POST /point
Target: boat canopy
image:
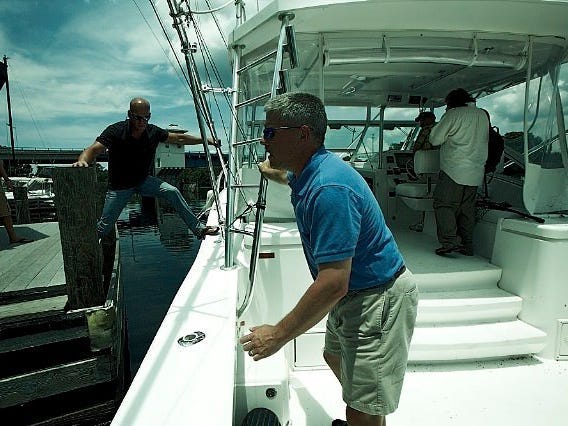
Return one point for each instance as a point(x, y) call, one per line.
point(411, 54)
point(406, 53)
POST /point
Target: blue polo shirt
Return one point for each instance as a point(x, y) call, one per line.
point(339, 218)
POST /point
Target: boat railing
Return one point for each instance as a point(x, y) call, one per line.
point(286, 45)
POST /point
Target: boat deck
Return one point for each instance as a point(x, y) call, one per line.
point(520, 392)
point(418, 251)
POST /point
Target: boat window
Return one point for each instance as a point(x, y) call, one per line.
point(543, 141)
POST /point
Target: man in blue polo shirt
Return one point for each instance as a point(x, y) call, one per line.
point(131, 146)
point(359, 275)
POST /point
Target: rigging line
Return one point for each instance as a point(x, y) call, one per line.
point(218, 26)
point(210, 58)
point(203, 46)
point(205, 52)
point(202, 43)
point(204, 12)
point(31, 114)
point(159, 44)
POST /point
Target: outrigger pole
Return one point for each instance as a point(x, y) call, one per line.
point(201, 108)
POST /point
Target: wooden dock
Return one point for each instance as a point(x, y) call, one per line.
point(60, 363)
point(26, 269)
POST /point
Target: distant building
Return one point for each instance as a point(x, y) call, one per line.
point(170, 155)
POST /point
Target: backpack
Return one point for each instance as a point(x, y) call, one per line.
point(495, 149)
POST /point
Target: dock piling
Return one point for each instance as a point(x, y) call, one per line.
point(76, 203)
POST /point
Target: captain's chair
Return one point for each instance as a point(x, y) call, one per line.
point(420, 196)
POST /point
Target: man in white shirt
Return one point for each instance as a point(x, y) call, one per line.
point(462, 134)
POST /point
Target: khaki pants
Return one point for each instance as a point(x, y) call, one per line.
point(454, 206)
point(370, 331)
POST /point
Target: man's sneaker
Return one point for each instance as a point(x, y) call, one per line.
point(442, 251)
point(466, 251)
point(417, 227)
point(207, 230)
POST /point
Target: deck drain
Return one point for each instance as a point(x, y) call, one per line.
point(191, 339)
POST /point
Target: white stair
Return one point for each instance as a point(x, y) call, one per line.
point(475, 341)
point(467, 306)
point(462, 312)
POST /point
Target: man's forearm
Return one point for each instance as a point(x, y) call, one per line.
point(86, 156)
point(329, 287)
point(316, 302)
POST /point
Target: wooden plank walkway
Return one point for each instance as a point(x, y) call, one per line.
point(24, 267)
point(58, 365)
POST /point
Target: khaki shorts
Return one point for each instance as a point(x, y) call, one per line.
point(4, 207)
point(370, 331)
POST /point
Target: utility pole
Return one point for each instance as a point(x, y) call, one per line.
point(10, 124)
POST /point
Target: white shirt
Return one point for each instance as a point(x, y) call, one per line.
point(463, 134)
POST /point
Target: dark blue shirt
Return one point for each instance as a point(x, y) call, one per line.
point(130, 160)
point(339, 218)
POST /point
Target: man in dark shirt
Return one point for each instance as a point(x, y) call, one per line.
point(131, 146)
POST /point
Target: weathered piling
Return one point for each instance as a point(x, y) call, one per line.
point(22, 204)
point(82, 256)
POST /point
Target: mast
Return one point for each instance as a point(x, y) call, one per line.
point(10, 124)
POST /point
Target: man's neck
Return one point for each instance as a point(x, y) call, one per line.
point(303, 160)
point(136, 134)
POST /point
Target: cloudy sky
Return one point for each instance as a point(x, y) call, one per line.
point(74, 65)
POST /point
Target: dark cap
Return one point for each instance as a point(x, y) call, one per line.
point(425, 114)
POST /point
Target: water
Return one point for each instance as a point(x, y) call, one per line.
point(156, 253)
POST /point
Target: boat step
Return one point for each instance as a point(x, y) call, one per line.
point(467, 306)
point(445, 343)
point(442, 280)
point(475, 341)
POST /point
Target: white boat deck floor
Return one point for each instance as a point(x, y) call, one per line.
point(520, 392)
point(418, 251)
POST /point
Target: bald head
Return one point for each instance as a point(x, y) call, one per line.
point(139, 105)
point(138, 115)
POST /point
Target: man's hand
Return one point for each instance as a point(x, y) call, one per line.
point(214, 142)
point(264, 166)
point(80, 163)
point(262, 342)
point(277, 175)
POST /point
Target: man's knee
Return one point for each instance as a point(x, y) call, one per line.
point(358, 418)
point(170, 192)
point(331, 360)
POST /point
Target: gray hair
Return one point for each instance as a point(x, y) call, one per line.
point(299, 109)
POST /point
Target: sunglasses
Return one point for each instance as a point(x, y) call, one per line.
point(139, 117)
point(270, 132)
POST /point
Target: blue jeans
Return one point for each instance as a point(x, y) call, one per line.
point(151, 187)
